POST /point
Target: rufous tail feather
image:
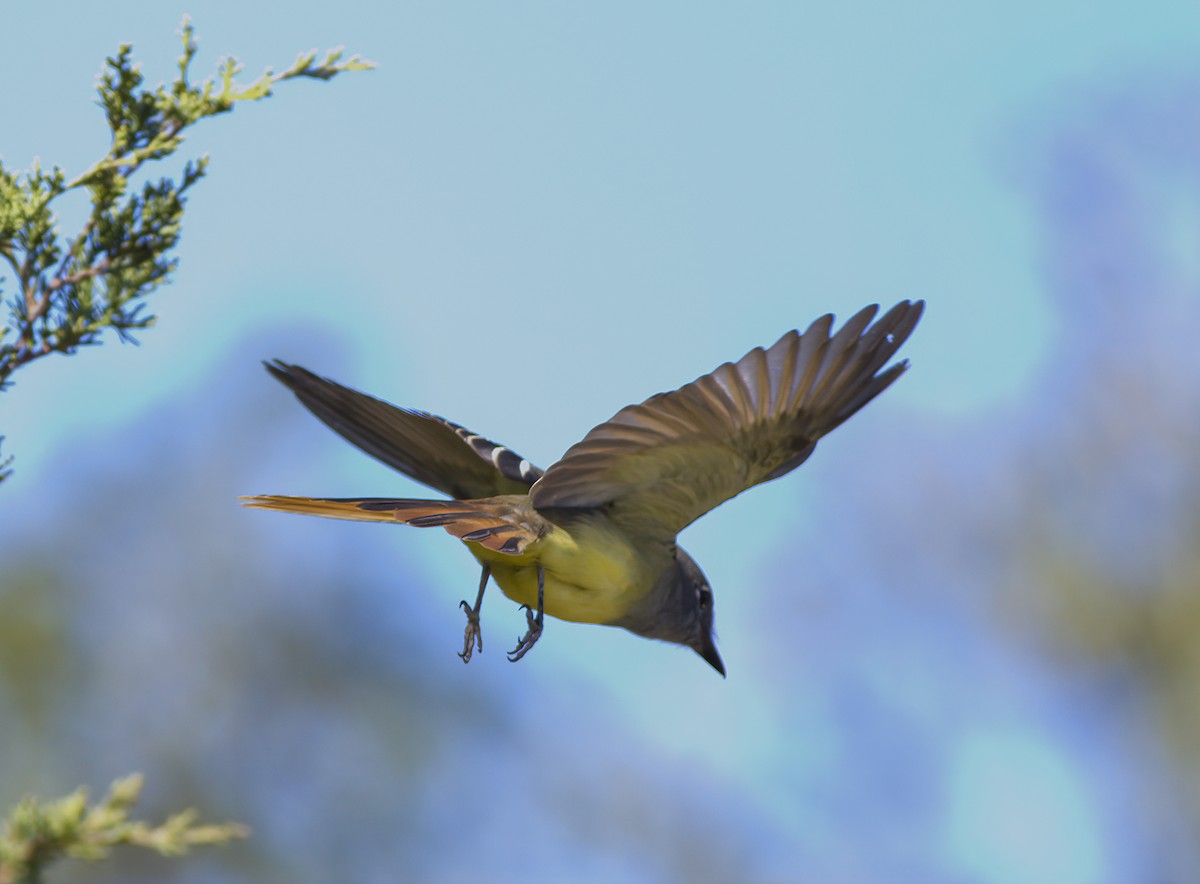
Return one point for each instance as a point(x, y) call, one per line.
point(476, 521)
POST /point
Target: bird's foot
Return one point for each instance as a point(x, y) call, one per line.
point(531, 636)
point(472, 635)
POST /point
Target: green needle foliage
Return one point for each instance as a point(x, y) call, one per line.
point(36, 834)
point(66, 291)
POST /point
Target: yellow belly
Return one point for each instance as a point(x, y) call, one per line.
point(592, 572)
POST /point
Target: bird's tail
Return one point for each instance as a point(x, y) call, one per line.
point(496, 525)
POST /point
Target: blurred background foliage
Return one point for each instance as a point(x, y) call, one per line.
point(963, 642)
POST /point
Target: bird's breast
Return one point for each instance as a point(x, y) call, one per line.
point(593, 572)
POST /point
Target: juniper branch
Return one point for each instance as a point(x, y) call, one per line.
point(69, 291)
point(37, 834)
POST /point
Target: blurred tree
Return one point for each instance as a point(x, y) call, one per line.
point(1111, 488)
point(1043, 551)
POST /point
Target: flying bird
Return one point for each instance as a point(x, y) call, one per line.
point(592, 539)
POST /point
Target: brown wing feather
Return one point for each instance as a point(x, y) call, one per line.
point(425, 447)
point(500, 524)
point(662, 464)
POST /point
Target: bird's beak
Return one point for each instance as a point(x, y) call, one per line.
point(708, 651)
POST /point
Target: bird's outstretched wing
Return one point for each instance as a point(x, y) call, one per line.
point(660, 465)
point(425, 447)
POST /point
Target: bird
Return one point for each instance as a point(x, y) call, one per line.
point(592, 539)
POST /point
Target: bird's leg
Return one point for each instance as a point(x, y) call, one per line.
point(535, 623)
point(473, 634)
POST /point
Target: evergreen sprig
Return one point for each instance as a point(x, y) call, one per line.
point(68, 291)
point(35, 834)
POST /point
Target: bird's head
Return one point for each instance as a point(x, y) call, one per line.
point(696, 600)
point(679, 609)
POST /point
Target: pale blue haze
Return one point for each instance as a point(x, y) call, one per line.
point(532, 214)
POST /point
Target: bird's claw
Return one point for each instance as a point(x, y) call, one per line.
point(472, 635)
point(531, 636)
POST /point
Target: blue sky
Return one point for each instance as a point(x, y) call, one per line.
point(529, 172)
point(668, 180)
point(526, 173)
point(532, 214)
